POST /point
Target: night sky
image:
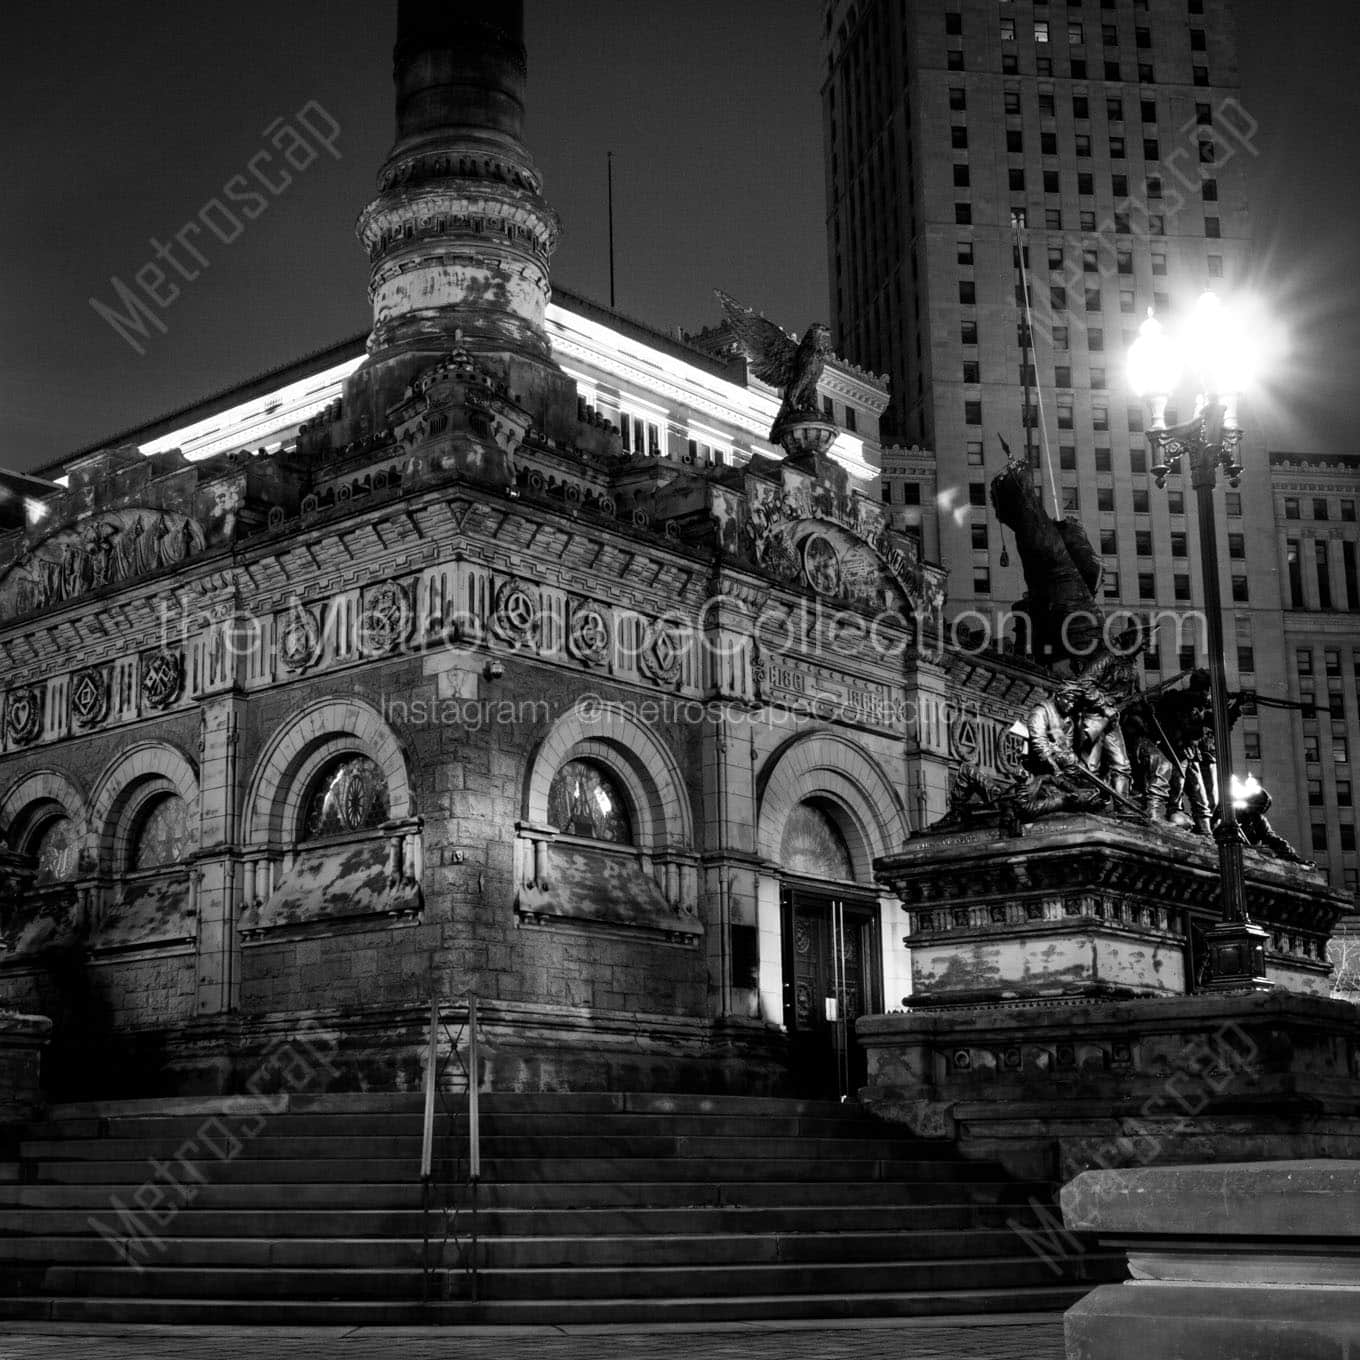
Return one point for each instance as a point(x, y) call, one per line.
point(119, 122)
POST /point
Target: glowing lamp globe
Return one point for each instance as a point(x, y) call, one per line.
point(1154, 364)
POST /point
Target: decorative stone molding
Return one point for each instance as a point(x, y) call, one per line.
point(125, 782)
point(323, 730)
point(831, 766)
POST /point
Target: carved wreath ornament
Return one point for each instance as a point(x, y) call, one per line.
point(662, 659)
point(23, 716)
point(516, 616)
point(299, 639)
point(162, 679)
point(386, 620)
point(89, 697)
point(588, 638)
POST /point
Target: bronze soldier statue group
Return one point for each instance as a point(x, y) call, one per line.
point(1097, 740)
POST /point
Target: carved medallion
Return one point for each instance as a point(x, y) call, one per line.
point(162, 678)
point(588, 638)
point(299, 639)
point(23, 715)
point(664, 654)
point(822, 565)
point(89, 697)
point(386, 620)
point(516, 616)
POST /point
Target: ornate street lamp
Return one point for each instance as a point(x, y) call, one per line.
point(1210, 441)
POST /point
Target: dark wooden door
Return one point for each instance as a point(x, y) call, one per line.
point(831, 978)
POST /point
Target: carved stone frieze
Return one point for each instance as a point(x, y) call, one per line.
point(96, 551)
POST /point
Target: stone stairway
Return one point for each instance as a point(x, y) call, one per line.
point(593, 1208)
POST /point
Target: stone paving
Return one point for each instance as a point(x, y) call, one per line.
point(1002, 1338)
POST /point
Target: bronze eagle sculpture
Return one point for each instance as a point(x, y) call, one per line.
point(781, 360)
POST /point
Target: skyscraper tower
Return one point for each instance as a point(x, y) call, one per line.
point(1116, 135)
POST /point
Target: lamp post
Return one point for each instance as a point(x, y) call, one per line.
point(1209, 441)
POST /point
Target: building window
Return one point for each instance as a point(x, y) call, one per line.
point(1212, 228)
point(1295, 575)
point(911, 493)
point(963, 214)
point(1239, 589)
point(958, 137)
point(349, 794)
point(585, 800)
point(1324, 577)
point(972, 412)
point(972, 371)
point(1251, 745)
point(1140, 500)
point(1303, 660)
point(958, 99)
point(1348, 565)
point(1344, 797)
point(1040, 30)
point(1237, 545)
point(1291, 507)
point(977, 493)
point(1315, 793)
point(968, 333)
point(960, 176)
point(1147, 586)
point(967, 292)
point(1319, 507)
point(1007, 29)
point(1105, 498)
point(1331, 662)
point(1215, 266)
point(1232, 503)
point(1246, 660)
point(54, 845)
point(979, 533)
point(1109, 542)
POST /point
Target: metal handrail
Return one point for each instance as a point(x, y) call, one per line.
point(432, 1073)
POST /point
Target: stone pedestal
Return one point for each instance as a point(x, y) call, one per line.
point(1256, 1262)
point(1052, 1089)
point(1090, 906)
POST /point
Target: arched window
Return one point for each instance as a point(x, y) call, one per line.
point(814, 845)
point(586, 800)
point(53, 844)
point(160, 835)
point(349, 794)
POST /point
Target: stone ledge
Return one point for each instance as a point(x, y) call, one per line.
point(1299, 1199)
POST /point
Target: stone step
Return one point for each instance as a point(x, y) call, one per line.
point(502, 1253)
point(341, 1124)
point(526, 1170)
point(407, 1147)
point(548, 1223)
point(551, 1103)
point(527, 1196)
point(555, 1283)
point(1049, 1299)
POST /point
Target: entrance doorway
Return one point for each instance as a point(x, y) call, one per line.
point(832, 975)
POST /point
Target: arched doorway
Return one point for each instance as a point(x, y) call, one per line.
point(831, 937)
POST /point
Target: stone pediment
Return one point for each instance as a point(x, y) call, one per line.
point(813, 531)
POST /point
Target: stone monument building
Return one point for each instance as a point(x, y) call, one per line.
point(502, 653)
